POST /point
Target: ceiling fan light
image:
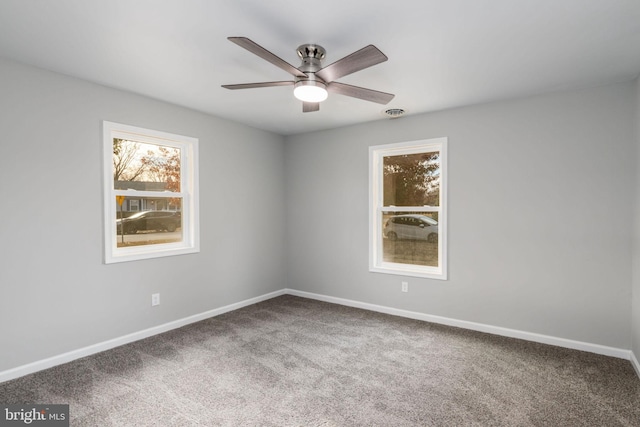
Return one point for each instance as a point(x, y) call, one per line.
point(310, 91)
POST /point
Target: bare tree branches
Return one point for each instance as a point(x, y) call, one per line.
point(124, 157)
point(158, 164)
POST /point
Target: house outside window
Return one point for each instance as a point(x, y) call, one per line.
point(408, 223)
point(150, 193)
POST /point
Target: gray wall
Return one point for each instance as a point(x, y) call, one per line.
point(56, 293)
point(539, 211)
point(540, 214)
point(636, 247)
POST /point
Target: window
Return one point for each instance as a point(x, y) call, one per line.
point(407, 225)
point(151, 193)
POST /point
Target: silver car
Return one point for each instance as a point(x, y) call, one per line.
point(412, 227)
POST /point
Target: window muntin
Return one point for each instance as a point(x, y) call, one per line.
point(151, 203)
point(407, 219)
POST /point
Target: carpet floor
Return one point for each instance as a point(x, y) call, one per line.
point(291, 361)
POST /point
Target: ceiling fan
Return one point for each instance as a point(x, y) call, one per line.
point(312, 81)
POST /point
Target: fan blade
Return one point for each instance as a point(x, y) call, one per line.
point(254, 85)
point(360, 92)
point(364, 58)
point(308, 107)
point(266, 55)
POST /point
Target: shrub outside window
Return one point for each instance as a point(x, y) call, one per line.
point(151, 193)
point(407, 226)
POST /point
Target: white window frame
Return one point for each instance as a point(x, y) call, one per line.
point(188, 192)
point(377, 208)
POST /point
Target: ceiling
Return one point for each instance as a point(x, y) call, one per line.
point(442, 54)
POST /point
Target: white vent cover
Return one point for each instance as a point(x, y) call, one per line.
point(394, 113)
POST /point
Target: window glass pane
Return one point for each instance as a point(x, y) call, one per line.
point(412, 179)
point(410, 238)
point(148, 220)
point(145, 167)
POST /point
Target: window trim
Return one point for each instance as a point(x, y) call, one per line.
point(376, 208)
point(189, 193)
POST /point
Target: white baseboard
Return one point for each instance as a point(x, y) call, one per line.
point(116, 342)
point(136, 336)
point(635, 364)
point(496, 330)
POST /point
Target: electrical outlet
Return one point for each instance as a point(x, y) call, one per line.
point(405, 286)
point(155, 299)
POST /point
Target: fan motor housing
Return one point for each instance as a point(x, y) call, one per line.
point(311, 55)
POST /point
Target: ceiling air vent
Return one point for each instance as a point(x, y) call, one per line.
point(394, 113)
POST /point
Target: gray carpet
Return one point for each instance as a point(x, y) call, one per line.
point(292, 361)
